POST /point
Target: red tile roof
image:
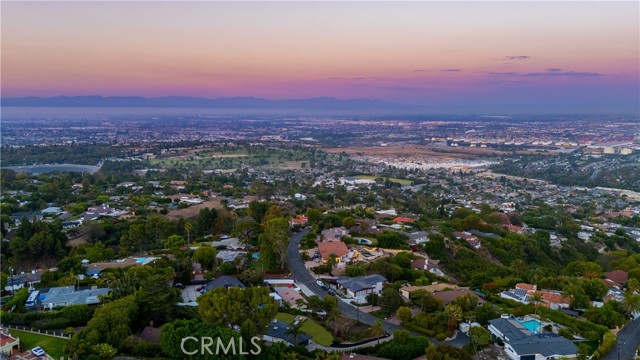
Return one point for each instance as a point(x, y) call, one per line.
point(617, 276)
point(401, 219)
point(332, 247)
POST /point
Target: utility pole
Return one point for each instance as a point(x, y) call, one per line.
point(13, 290)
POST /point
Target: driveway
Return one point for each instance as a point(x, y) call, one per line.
point(626, 343)
point(189, 293)
point(302, 276)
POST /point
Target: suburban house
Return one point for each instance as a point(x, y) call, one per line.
point(8, 342)
point(402, 220)
point(418, 237)
point(406, 291)
point(361, 286)
point(18, 217)
point(300, 220)
point(29, 279)
point(279, 331)
point(449, 296)
point(523, 344)
point(338, 248)
point(616, 278)
point(514, 229)
point(93, 213)
point(427, 264)
point(289, 295)
point(68, 295)
point(468, 237)
point(333, 234)
point(520, 293)
point(523, 293)
point(224, 281)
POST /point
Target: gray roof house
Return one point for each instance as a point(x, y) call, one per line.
point(523, 344)
point(224, 281)
point(278, 331)
point(67, 295)
point(361, 286)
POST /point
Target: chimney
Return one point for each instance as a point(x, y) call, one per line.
point(151, 323)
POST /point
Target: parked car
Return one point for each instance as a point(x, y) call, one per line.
point(320, 283)
point(178, 285)
point(37, 351)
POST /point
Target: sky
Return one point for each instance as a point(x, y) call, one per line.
point(566, 55)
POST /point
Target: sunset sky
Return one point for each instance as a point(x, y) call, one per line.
point(568, 54)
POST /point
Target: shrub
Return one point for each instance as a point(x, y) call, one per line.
point(608, 341)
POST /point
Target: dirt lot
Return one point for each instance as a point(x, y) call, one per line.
point(192, 211)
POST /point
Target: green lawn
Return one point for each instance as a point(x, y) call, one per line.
point(395, 180)
point(319, 334)
point(52, 345)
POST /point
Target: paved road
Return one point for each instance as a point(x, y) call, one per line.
point(303, 276)
point(627, 342)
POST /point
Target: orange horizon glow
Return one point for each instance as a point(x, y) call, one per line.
point(413, 51)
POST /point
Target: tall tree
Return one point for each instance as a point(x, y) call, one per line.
point(231, 306)
point(188, 227)
point(377, 331)
point(205, 256)
point(276, 239)
point(295, 330)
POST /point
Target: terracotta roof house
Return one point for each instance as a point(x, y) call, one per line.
point(468, 237)
point(448, 296)
point(427, 264)
point(7, 342)
point(333, 247)
point(515, 229)
point(298, 220)
point(402, 220)
point(618, 277)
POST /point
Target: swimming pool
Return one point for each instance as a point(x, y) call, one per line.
point(532, 325)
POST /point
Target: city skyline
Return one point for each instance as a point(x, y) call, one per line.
point(570, 56)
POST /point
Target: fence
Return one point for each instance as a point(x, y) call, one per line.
point(60, 335)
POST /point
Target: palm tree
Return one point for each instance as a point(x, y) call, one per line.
point(535, 299)
point(295, 330)
point(631, 303)
point(187, 228)
point(377, 330)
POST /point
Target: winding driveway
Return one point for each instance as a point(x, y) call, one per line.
point(303, 277)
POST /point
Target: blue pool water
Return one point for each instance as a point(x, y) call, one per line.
point(141, 260)
point(532, 325)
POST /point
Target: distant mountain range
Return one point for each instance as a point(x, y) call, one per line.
point(198, 102)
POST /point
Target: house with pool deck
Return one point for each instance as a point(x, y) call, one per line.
point(525, 340)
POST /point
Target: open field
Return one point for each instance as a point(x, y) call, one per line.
point(320, 334)
point(415, 151)
point(395, 180)
point(192, 211)
point(52, 345)
point(269, 158)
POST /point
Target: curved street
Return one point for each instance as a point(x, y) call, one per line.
point(627, 342)
point(303, 278)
